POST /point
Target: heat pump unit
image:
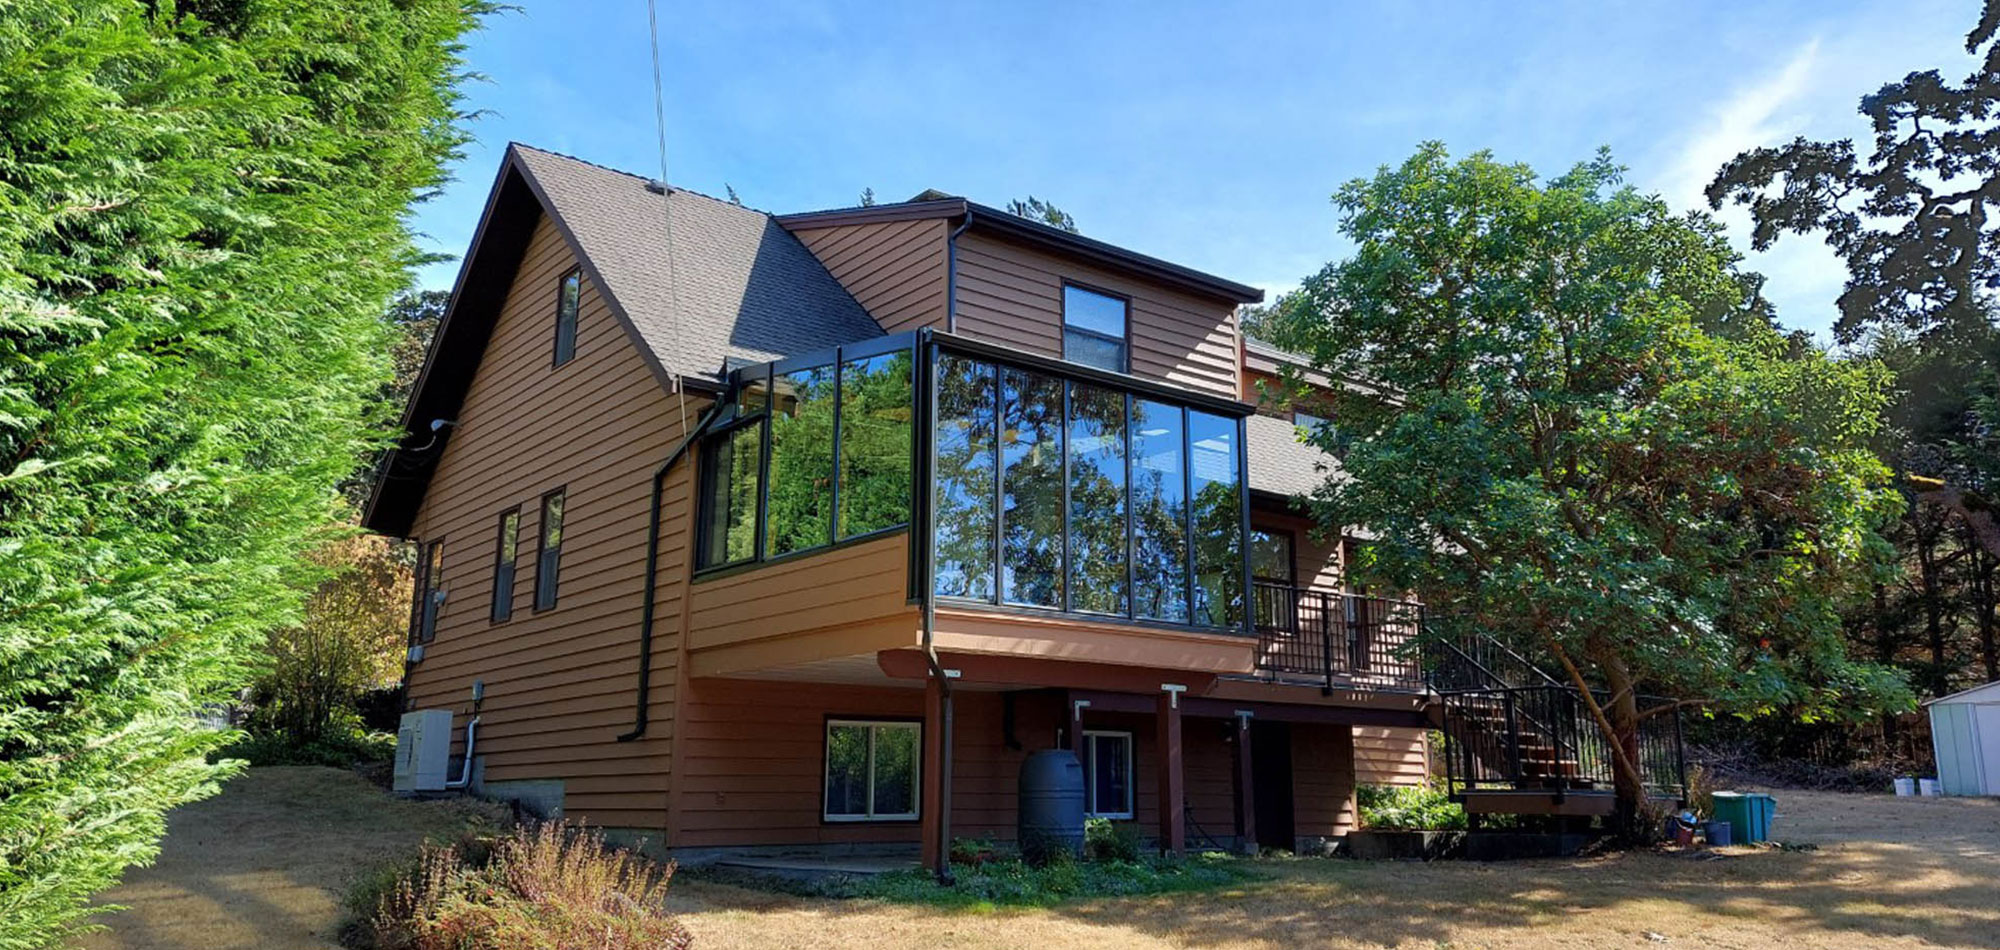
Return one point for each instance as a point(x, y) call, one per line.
point(423, 751)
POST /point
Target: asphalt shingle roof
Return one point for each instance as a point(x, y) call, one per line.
point(1280, 463)
point(740, 288)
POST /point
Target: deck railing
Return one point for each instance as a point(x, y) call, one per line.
point(1336, 639)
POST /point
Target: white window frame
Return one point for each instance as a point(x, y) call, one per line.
point(873, 726)
point(1310, 422)
point(1090, 737)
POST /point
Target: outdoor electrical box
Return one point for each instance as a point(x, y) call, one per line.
point(423, 751)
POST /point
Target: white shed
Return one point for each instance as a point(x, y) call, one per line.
point(1965, 735)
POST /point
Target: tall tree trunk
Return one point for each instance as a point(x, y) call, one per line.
point(1628, 785)
point(1985, 610)
point(1885, 653)
point(1930, 581)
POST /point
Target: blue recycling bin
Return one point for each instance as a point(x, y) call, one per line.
point(1749, 814)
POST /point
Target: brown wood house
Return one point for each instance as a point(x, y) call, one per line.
point(742, 531)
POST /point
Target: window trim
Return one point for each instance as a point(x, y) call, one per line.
point(556, 358)
point(494, 611)
point(1090, 736)
point(916, 764)
point(1291, 537)
point(541, 548)
point(424, 619)
point(1062, 312)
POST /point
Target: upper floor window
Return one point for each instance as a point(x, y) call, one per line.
point(548, 558)
point(1310, 422)
point(1271, 556)
point(1096, 329)
point(569, 298)
point(1061, 494)
point(810, 456)
point(504, 551)
point(430, 593)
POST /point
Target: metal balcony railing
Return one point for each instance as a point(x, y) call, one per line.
point(1340, 640)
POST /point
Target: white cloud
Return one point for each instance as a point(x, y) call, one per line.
point(1764, 111)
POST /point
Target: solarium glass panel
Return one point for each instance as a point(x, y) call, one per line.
point(799, 511)
point(1218, 519)
point(1097, 540)
point(1159, 513)
point(730, 505)
point(967, 420)
point(1031, 467)
point(875, 413)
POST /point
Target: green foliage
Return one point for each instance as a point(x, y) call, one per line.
point(1408, 808)
point(344, 744)
point(1107, 840)
point(1574, 464)
point(1918, 220)
point(1042, 212)
point(548, 885)
point(200, 226)
point(1016, 884)
point(349, 641)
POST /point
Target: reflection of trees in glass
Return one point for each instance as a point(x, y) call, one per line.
point(895, 770)
point(1218, 518)
point(847, 770)
point(965, 437)
point(1159, 513)
point(1031, 488)
point(1096, 499)
point(799, 514)
point(875, 415)
point(731, 482)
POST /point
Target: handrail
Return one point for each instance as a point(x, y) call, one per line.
point(1336, 637)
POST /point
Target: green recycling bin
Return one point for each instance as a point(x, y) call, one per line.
point(1749, 814)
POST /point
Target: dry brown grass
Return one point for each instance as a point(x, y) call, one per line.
point(262, 867)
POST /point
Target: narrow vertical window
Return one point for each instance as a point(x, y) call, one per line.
point(1107, 784)
point(798, 513)
point(966, 431)
point(430, 593)
point(1097, 529)
point(729, 495)
point(1159, 513)
point(1094, 329)
point(1216, 493)
point(1031, 488)
point(569, 298)
point(548, 558)
point(504, 551)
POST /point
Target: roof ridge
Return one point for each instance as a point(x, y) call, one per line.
point(645, 179)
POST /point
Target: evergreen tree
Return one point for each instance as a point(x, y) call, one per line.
point(201, 223)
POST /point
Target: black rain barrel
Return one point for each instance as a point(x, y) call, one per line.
point(1051, 805)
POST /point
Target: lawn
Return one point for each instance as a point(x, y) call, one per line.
point(1887, 873)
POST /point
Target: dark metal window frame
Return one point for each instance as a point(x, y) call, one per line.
point(827, 722)
point(838, 358)
point(1186, 402)
point(502, 608)
point(543, 566)
point(1124, 342)
point(557, 358)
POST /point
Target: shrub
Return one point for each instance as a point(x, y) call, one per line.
point(551, 886)
point(342, 749)
point(1408, 808)
point(203, 215)
point(1107, 840)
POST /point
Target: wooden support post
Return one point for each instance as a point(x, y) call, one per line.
point(1173, 796)
point(1076, 708)
point(937, 851)
point(1246, 793)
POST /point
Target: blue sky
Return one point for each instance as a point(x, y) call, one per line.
point(1208, 134)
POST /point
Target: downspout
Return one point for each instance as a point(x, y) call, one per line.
point(640, 713)
point(951, 272)
point(927, 564)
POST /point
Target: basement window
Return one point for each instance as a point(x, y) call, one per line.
point(871, 770)
point(1107, 785)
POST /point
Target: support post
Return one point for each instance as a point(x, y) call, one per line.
point(936, 823)
point(1076, 708)
point(1246, 794)
point(1173, 796)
